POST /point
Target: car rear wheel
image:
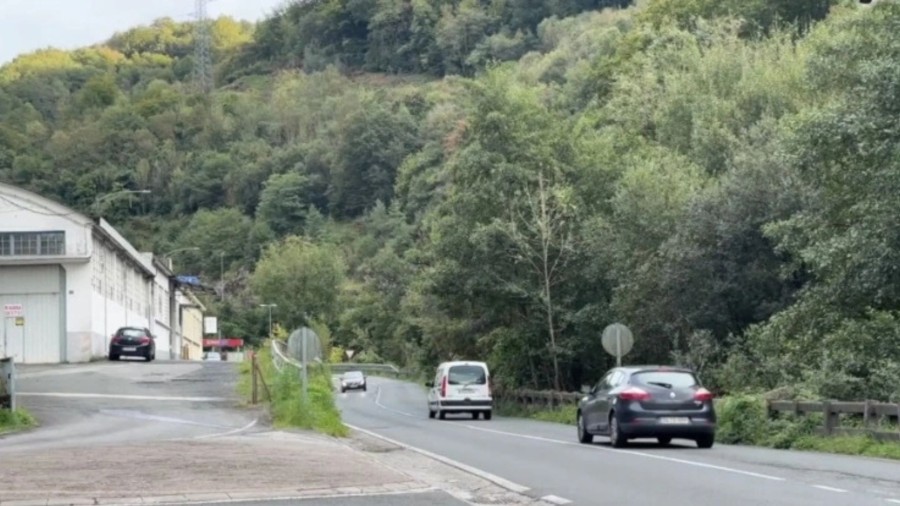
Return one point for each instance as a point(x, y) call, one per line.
point(442, 415)
point(430, 414)
point(474, 415)
point(114, 357)
point(706, 441)
point(584, 436)
point(664, 440)
point(616, 438)
point(487, 415)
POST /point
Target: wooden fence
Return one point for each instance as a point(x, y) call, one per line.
point(875, 418)
point(881, 421)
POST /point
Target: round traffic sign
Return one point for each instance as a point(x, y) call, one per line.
point(617, 340)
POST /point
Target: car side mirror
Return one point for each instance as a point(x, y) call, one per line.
point(429, 384)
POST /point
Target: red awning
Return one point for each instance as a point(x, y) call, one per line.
point(230, 342)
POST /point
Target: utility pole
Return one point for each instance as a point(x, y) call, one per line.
point(203, 78)
point(270, 306)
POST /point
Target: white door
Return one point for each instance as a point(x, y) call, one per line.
point(12, 340)
point(39, 290)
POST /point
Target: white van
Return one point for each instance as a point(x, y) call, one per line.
point(460, 387)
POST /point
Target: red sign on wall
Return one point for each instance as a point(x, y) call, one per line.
point(223, 343)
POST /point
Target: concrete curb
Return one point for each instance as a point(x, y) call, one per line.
point(410, 487)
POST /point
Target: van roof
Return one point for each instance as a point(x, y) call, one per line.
point(463, 362)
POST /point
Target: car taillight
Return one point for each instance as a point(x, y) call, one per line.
point(444, 387)
point(634, 394)
point(703, 395)
point(145, 340)
point(487, 383)
point(115, 340)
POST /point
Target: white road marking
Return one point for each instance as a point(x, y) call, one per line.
point(229, 433)
point(895, 501)
point(555, 499)
point(509, 485)
point(73, 395)
point(156, 418)
point(630, 452)
point(382, 406)
point(72, 370)
point(830, 489)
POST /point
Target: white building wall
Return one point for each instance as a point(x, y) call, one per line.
point(105, 287)
point(79, 312)
point(119, 296)
point(159, 302)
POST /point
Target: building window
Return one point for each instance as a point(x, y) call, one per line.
point(32, 243)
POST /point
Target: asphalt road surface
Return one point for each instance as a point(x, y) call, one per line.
point(545, 460)
point(126, 402)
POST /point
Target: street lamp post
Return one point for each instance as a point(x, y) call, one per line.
point(103, 198)
point(168, 254)
point(269, 306)
point(222, 274)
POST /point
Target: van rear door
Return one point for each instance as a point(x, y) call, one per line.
point(467, 381)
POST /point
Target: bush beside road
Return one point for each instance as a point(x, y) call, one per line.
point(13, 421)
point(287, 406)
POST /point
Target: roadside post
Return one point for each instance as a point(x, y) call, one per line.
point(617, 340)
point(7, 383)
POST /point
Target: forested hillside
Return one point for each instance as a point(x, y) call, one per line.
point(504, 178)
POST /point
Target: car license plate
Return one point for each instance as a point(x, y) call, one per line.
point(130, 348)
point(466, 390)
point(675, 420)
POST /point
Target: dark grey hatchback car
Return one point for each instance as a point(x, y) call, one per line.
point(648, 402)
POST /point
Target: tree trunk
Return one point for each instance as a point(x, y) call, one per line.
point(545, 260)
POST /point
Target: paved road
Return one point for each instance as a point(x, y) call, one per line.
point(546, 458)
point(417, 499)
point(126, 402)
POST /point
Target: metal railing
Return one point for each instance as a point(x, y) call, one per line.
point(280, 357)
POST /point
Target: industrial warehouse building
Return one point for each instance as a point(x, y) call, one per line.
point(68, 282)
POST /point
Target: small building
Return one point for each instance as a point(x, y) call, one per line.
point(67, 282)
point(190, 319)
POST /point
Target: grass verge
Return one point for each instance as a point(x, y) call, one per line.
point(288, 406)
point(743, 420)
point(13, 421)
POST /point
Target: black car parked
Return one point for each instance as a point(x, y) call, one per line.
point(132, 342)
point(648, 401)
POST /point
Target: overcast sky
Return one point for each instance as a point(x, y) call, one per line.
point(26, 25)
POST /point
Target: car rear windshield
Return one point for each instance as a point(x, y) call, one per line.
point(667, 379)
point(467, 375)
point(132, 332)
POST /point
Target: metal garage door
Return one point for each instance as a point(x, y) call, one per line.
point(39, 289)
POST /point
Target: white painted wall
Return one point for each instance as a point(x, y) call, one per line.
point(24, 212)
point(120, 296)
point(79, 312)
point(108, 284)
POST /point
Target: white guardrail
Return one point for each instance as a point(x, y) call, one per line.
point(280, 358)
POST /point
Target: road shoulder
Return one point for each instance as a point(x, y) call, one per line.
point(263, 465)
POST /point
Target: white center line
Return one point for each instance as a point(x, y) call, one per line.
point(555, 499)
point(830, 489)
point(895, 501)
point(631, 452)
